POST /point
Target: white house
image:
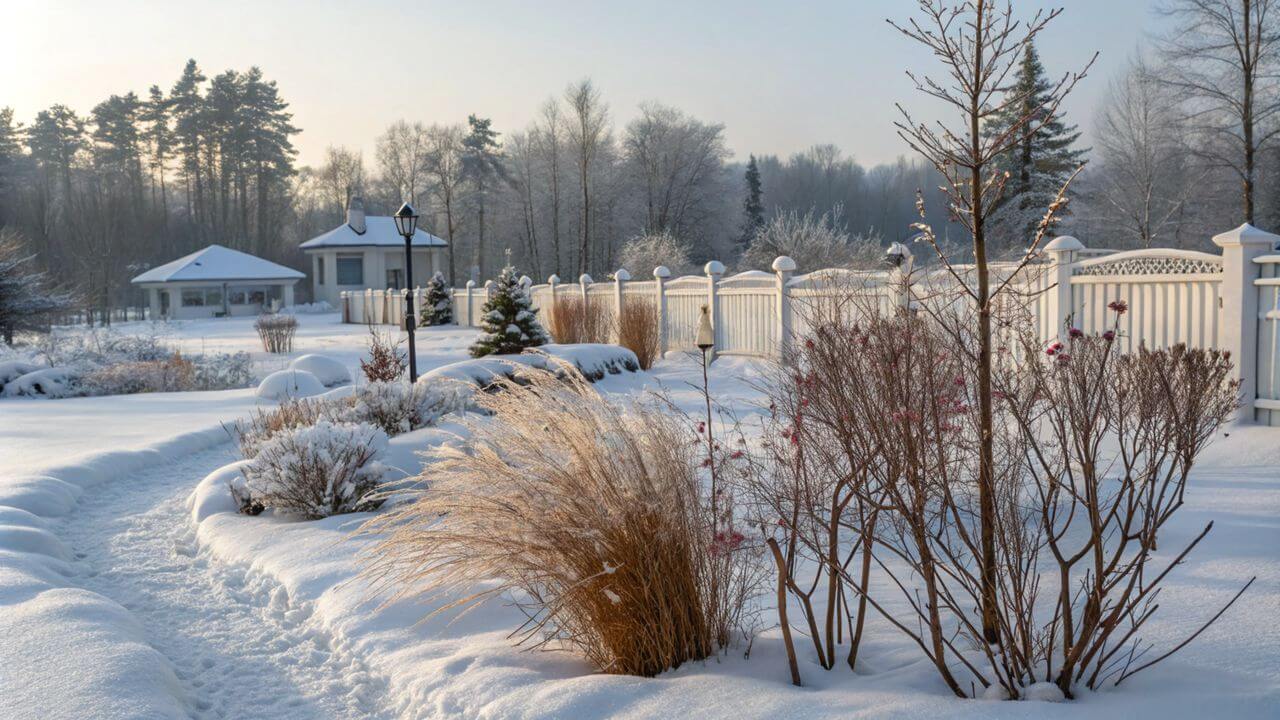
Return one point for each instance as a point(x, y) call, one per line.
point(368, 253)
point(216, 282)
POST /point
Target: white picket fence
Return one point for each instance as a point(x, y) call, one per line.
point(1229, 301)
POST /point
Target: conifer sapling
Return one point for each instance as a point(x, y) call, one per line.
point(437, 306)
point(510, 322)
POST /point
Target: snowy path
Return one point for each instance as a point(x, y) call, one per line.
point(237, 646)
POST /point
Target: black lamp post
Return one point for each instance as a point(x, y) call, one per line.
point(406, 224)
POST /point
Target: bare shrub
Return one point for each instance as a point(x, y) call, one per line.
point(638, 329)
point(173, 374)
point(276, 332)
point(386, 362)
point(574, 321)
point(318, 470)
point(593, 518)
point(643, 253)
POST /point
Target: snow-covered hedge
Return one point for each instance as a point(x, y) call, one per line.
point(329, 371)
point(54, 382)
point(288, 385)
point(316, 471)
point(11, 370)
point(593, 360)
point(312, 308)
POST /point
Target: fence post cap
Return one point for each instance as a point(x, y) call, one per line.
point(553, 279)
point(715, 267)
point(782, 263)
point(585, 279)
point(526, 281)
point(662, 271)
point(1246, 234)
point(471, 284)
point(1064, 243)
point(622, 275)
point(488, 284)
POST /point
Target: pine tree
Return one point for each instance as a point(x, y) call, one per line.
point(753, 205)
point(26, 296)
point(510, 322)
point(437, 306)
point(481, 161)
point(1040, 163)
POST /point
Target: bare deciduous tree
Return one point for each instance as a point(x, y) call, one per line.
point(588, 131)
point(1222, 59)
point(444, 164)
point(980, 44)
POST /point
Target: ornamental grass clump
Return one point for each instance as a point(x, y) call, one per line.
point(592, 518)
point(276, 332)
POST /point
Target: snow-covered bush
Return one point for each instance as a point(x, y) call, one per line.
point(813, 241)
point(289, 384)
point(397, 407)
point(262, 425)
point(11, 370)
point(329, 371)
point(597, 520)
point(317, 471)
point(54, 382)
point(222, 371)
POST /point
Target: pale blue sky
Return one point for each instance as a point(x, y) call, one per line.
point(780, 75)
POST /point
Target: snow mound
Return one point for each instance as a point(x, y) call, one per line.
point(1043, 692)
point(289, 384)
point(11, 370)
point(214, 493)
point(312, 308)
point(329, 371)
point(55, 382)
point(594, 360)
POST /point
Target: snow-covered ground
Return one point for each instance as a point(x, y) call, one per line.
point(116, 600)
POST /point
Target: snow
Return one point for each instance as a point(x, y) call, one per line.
point(380, 231)
point(288, 385)
point(327, 370)
point(130, 587)
point(55, 382)
point(217, 263)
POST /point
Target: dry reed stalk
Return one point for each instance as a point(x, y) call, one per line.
point(638, 330)
point(575, 321)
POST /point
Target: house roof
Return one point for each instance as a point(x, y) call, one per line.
point(218, 263)
point(380, 231)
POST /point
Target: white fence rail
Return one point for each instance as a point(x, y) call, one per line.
point(1229, 301)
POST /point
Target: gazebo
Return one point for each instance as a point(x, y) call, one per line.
point(217, 282)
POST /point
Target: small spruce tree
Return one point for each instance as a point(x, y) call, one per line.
point(510, 322)
point(437, 306)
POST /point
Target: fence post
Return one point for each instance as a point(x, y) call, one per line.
point(660, 275)
point(1063, 252)
point(619, 279)
point(549, 317)
point(584, 281)
point(471, 287)
point(714, 271)
point(784, 267)
point(900, 275)
point(1238, 332)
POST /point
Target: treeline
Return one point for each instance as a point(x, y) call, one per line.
point(140, 181)
point(566, 193)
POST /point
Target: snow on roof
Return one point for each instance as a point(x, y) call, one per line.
point(379, 231)
point(218, 263)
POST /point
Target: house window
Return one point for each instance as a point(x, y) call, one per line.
point(393, 278)
point(192, 298)
point(351, 270)
point(237, 296)
point(320, 270)
point(213, 297)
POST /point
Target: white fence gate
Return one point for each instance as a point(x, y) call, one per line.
point(1229, 301)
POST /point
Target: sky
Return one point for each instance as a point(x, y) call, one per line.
point(781, 76)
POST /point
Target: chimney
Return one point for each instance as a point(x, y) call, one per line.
point(355, 214)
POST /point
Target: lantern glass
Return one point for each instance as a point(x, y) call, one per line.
point(406, 220)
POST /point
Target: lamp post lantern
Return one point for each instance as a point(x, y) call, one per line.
point(406, 224)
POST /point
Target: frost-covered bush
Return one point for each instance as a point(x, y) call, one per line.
point(642, 254)
point(312, 308)
point(262, 425)
point(398, 407)
point(223, 371)
point(11, 370)
point(386, 362)
point(317, 471)
point(173, 374)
